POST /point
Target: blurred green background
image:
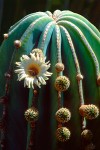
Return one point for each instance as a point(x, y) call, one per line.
point(13, 10)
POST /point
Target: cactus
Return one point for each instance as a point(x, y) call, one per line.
point(48, 62)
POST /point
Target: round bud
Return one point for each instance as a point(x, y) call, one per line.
point(62, 134)
point(79, 77)
point(63, 115)
point(62, 83)
point(89, 111)
point(59, 67)
point(17, 44)
point(31, 114)
point(87, 135)
point(5, 36)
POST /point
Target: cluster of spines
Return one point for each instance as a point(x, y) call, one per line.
point(89, 111)
point(31, 114)
point(63, 115)
point(63, 134)
point(62, 83)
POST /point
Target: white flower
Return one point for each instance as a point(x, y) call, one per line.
point(33, 70)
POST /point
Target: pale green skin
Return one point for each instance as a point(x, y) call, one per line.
point(20, 97)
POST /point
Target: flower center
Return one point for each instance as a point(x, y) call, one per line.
point(33, 70)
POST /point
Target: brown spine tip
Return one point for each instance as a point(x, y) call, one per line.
point(5, 36)
point(79, 77)
point(98, 80)
point(17, 44)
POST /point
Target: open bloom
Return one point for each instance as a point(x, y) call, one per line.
point(33, 70)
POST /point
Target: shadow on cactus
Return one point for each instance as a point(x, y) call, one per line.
point(49, 83)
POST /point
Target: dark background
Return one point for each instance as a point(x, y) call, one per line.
point(13, 10)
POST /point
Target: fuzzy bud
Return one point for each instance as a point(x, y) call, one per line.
point(31, 114)
point(63, 115)
point(89, 111)
point(62, 134)
point(62, 83)
point(87, 135)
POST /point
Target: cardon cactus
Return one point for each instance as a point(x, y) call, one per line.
point(48, 62)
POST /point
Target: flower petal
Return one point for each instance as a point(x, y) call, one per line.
point(18, 70)
point(36, 82)
point(21, 77)
point(25, 57)
point(33, 56)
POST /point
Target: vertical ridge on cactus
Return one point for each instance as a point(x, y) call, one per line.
point(58, 39)
point(65, 38)
point(44, 39)
point(72, 26)
point(68, 37)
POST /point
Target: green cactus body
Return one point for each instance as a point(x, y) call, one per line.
point(64, 37)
